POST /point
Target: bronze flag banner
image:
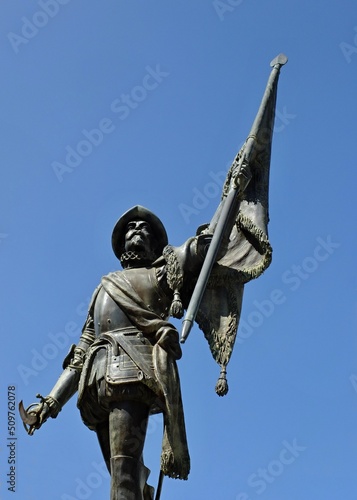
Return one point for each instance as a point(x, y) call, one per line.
point(242, 251)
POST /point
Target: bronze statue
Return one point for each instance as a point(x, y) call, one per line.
point(124, 365)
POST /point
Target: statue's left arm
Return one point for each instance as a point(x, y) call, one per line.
point(183, 264)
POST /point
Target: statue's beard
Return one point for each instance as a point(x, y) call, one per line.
point(138, 252)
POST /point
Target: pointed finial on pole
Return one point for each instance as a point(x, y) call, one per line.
point(279, 60)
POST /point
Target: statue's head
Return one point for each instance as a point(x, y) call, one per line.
point(138, 236)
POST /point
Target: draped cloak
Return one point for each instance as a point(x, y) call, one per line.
point(175, 460)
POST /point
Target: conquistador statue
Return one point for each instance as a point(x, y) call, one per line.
point(124, 365)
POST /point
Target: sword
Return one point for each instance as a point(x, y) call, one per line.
point(32, 418)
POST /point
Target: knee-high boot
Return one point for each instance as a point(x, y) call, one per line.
point(128, 479)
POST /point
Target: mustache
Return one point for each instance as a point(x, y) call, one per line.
point(136, 233)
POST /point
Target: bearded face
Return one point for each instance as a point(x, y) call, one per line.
point(139, 238)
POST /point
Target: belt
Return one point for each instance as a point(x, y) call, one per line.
point(120, 338)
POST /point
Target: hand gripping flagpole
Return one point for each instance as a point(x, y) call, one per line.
point(231, 203)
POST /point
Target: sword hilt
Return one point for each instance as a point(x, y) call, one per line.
point(30, 417)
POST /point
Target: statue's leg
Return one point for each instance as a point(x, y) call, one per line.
point(102, 431)
point(127, 430)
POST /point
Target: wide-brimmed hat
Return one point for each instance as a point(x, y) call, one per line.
point(138, 213)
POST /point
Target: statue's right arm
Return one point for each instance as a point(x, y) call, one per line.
point(67, 384)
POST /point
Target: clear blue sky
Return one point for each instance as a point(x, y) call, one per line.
point(173, 88)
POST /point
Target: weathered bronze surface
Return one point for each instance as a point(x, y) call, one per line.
point(124, 365)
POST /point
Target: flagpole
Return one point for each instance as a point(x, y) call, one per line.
point(230, 205)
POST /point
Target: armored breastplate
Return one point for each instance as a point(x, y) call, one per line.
point(148, 285)
point(108, 315)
